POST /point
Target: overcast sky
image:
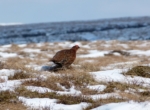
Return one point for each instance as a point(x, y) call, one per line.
point(35, 11)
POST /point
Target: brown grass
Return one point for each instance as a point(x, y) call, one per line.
point(12, 106)
point(129, 96)
point(87, 91)
point(96, 64)
point(67, 79)
point(2, 65)
point(143, 71)
point(7, 96)
point(20, 75)
point(137, 96)
point(15, 47)
point(89, 67)
point(77, 75)
point(50, 82)
point(64, 99)
point(18, 64)
point(69, 99)
point(144, 96)
point(101, 102)
point(8, 100)
point(22, 91)
point(24, 54)
point(118, 86)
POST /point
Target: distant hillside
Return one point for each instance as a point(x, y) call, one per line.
point(106, 29)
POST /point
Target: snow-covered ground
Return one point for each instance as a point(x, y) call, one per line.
point(112, 72)
point(125, 106)
point(106, 29)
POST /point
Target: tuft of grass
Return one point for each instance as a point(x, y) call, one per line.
point(69, 99)
point(18, 64)
point(12, 106)
point(129, 96)
point(50, 82)
point(67, 78)
point(109, 89)
point(137, 96)
point(87, 91)
point(24, 54)
point(64, 99)
point(100, 102)
point(113, 86)
point(144, 94)
point(90, 66)
point(1, 65)
point(14, 47)
point(96, 64)
point(22, 91)
point(9, 101)
point(7, 96)
point(143, 71)
point(20, 75)
point(77, 77)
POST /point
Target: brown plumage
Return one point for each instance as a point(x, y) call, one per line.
point(65, 58)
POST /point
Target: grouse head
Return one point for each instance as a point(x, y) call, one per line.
point(76, 47)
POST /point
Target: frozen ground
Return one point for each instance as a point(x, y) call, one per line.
point(123, 29)
point(37, 56)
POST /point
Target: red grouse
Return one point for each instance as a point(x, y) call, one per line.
point(64, 58)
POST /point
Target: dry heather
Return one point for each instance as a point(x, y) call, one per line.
point(77, 75)
point(8, 100)
point(67, 79)
point(64, 99)
point(105, 101)
point(113, 86)
point(143, 71)
point(13, 106)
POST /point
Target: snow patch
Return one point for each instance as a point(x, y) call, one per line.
point(125, 106)
point(40, 103)
point(7, 55)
